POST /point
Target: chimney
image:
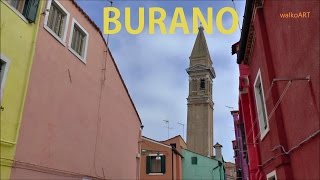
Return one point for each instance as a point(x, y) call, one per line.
point(218, 152)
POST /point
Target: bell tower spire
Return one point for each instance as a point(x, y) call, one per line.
point(200, 102)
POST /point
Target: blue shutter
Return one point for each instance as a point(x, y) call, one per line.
point(30, 10)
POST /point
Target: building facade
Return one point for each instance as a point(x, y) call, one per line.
point(161, 160)
point(278, 55)
point(231, 172)
point(79, 121)
point(19, 28)
point(196, 166)
point(200, 102)
point(240, 147)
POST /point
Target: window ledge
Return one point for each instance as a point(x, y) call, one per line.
point(155, 174)
point(78, 56)
point(54, 35)
point(15, 11)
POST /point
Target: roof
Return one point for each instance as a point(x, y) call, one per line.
point(213, 157)
point(159, 142)
point(100, 32)
point(245, 30)
point(217, 145)
point(155, 141)
point(200, 47)
point(234, 111)
point(229, 164)
point(174, 138)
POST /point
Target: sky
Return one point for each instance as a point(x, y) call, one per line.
point(153, 66)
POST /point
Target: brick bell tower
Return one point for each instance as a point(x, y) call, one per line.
point(200, 103)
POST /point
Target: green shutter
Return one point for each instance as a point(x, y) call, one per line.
point(31, 9)
point(194, 160)
point(148, 159)
point(163, 164)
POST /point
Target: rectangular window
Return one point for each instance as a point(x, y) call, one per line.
point(17, 4)
point(156, 164)
point(79, 41)
point(261, 106)
point(2, 68)
point(28, 8)
point(4, 65)
point(202, 84)
point(194, 160)
point(56, 20)
point(272, 175)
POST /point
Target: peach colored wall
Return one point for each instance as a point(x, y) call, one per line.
point(60, 127)
point(153, 148)
point(180, 144)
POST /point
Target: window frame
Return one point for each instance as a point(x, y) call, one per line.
point(272, 174)
point(5, 74)
point(84, 57)
point(156, 173)
point(257, 82)
point(15, 11)
point(194, 160)
point(62, 39)
point(202, 82)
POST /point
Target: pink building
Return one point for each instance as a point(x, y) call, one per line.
point(79, 121)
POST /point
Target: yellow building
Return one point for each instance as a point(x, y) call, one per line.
point(18, 28)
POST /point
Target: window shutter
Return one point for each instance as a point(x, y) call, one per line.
point(163, 164)
point(30, 10)
point(148, 159)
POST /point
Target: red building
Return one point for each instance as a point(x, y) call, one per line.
point(278, 55)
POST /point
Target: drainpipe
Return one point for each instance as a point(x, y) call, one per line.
point(139, 151)
point(218, 166)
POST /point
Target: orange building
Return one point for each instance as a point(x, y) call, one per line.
point(161, 159)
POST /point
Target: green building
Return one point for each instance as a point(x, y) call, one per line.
point(198, 167)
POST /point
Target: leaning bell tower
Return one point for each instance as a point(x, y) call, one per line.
point(200, 103)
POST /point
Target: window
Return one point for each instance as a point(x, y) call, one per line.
point(4, 65)
point(194, 160)
point(28, 8)
point(202, 84)
point(78, 41)
point(261, 106)
point(56, 20)
point(156, 164)
point(272, 175)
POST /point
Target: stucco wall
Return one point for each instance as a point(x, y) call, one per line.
point(206, 168)
point(293, 52)
point(152, 147)
point(62, 126)
point(17, 49)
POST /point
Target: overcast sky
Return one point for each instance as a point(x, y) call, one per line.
point(153, 67)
